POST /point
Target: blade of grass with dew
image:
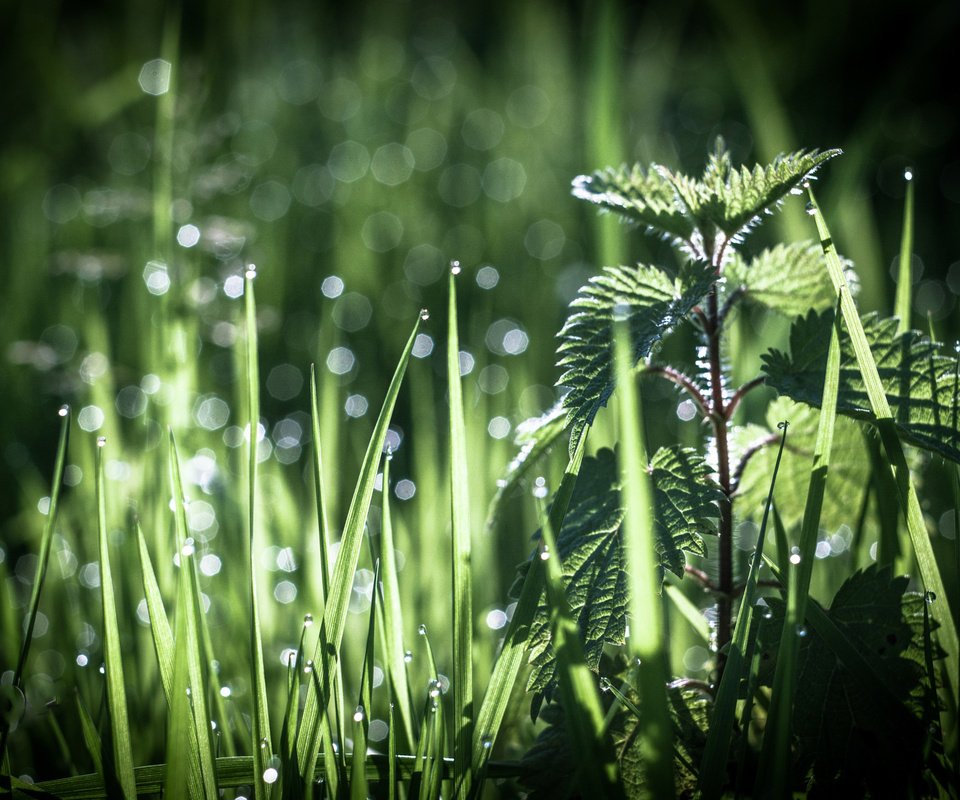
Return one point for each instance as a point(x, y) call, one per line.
point(906, 492)
point(335, 612)
point(647, 633)
point(290, 771)
point(427, 777)
point(392, 777)
point(783, 542)
point(119, 726)
point(596, 767)
point(716, 753)
point(904, 268)
point(462, 586)
point(189, 605)
point(392, 628)
point(361, 717)
point(774, 769)
point(183, 749)
point(513, 652)
point(42, 561)
point(260, 726)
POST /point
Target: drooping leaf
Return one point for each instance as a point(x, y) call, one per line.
point(847, 738)
point(921, 384)
point(790, 279)
point(653, 304)
point(590, 546)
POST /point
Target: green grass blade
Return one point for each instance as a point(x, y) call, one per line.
point(361, 716)
point(647, 635)
point(394, 660)
point(514, 650)
point(904, 269)
point(596, 768)
point(91, 740)
point(163, 643)
point(335, 613)
point(687, 609)
point(714, 764)
point(183, 750)
point(42, 561)
point(319, 493)
point(261, 719)
point(112, 650)
point(462, 587)
point(775, 760)
point(392, 777)
point(906, 492)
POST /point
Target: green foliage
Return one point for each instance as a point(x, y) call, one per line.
point(921, 384)
point(847, 739)
point(591, 548)
point(652, 302)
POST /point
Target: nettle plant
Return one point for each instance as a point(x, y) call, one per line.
point(847, 693)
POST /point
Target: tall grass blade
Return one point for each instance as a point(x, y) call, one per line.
point(513, 652)
point(42, 561)
point(91, 740)
point(904, 268)
point(714, 764)
point(260, 727)
point(119, 726)
point(906, 492)
point(335, 611)
point(698, 622)
point(462, 587)
point(361, 717)
point(183, 748)
point(583, 712)
point(647, 634)
point(190, 608)
point(394, 657)
point(392, 778)
point(162, 635)
point(775, 761)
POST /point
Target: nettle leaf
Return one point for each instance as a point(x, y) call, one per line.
point(921, 384)
point(645, 196)
point(590, 546)
point(700, 216)
point(847, 484)
point(846, 737)
point(790, 279)
point(653, 303)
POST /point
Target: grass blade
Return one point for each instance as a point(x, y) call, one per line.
point(261, 720)
point(335, 612)
point(906, 492)
point(91, 740)
point(513, 652)
point(462, 586)
point(904, 269)
point(647, 633)
point(163, 642)
point(714, 764)
point(361, 717)
point(596, 768)
point(774, 769)
point(119, 726)
point(688, 610)
point(184, 776)
point(42, 562)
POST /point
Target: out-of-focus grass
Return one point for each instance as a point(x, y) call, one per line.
point(351, 157)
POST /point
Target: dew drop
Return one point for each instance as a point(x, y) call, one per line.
point(264, 743)
point(101, 441)
point(801, 631)
point(424, 314)
point(308, 667)
point(270, 775)
point(307, 620)
point(806, 184)
point(422, 630)
point(930, 597)
point(64, 410)
point(811, 209)
point(908, 174)
point(545, 553)
point(454, 267)
point(540, 487)
point(407, 656)
point(794, 558)
point(389, 453)
point(251, 272)
point(189, 548)
point(358, 714)
point(604, 684)
point(103, 669)
point(487, 741)
point(436, 688)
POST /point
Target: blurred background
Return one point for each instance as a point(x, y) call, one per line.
point(148, 152)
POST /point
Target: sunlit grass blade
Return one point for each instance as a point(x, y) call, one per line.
point(361, 716)
point(775, 761)
point(905, 267)
point(290, 769)
point(119, 726)
point(714, 764)
point(335, 612)
point(261, 720)
point(163, 642)
point(42, 561)
point(183, 749)
point(906, 492)
point(427, 776)
point(596, 768)
point(514, 650)
point(462, 677)
point(392, 777)
point(647, 634)
point(394, 656)
point(689, 611)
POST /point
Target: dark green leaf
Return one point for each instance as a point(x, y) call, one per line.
point(590, 547)
point(920, 383)
point(845, 733)
point(653, 302)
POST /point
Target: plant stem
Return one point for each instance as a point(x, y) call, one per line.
point(719, 419)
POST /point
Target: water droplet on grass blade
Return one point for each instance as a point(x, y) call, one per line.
point(358, 714)
point(545, 553)
point(251, 272)
point(422, 630)
point(801, 631)
point(424, 314)
point(64, 410)
point(487, 741)
point(908, 174)
point(407, 656)
point(811, 209)
point(307, 620)
point(308, 667)
point(454, 267)
point(101, 441)
point(270, 775)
